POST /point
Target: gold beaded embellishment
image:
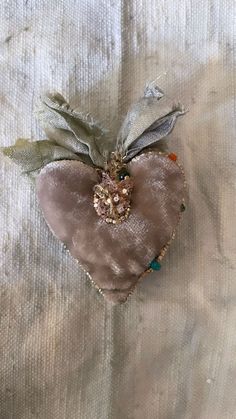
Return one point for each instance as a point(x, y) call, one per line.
point(112, 195)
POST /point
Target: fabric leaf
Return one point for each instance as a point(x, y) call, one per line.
point(58, 130)
point(71, 129)
point(160, 129)
point(32, 156)
point(145, 115)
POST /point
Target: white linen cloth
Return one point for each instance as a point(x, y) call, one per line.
point(169, 353)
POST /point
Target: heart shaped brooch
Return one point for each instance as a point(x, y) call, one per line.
point(114, 204)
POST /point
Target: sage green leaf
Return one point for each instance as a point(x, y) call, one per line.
point(55, 127)
point(73, 130)
point(157, 131)
point(62, 136)
point(146, 115)
point(31, 156)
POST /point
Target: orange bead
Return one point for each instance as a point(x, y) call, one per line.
point(172, 156)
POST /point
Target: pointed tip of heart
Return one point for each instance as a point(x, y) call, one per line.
point(116, 296)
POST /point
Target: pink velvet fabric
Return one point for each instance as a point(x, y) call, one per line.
point(113, 255)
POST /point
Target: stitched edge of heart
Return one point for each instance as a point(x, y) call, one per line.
point(157, 258)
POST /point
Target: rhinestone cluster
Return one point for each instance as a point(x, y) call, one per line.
point(112, 196)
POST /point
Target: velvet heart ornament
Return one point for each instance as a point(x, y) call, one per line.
point(114, 255)
point(114, 206)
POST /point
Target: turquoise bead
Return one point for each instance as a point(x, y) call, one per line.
point(156, 266)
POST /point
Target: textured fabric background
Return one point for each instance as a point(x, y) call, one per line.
point(170, 352)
